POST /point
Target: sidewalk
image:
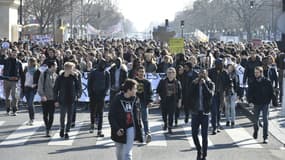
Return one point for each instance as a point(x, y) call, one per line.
point(276, 121)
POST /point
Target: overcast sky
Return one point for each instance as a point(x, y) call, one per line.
point(144, 12)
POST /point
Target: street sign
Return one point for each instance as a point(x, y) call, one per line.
point(176, 45)
point(281, 23)
point(5, 45)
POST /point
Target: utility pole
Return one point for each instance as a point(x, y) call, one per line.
point(71, 19)
point(21, 18)
point(81, 20)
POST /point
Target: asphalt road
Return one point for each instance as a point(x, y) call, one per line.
point(22, 142)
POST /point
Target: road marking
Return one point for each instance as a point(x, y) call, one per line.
point(21, 135)
point(1, 123)
point(242, 138)
point(157, 134)
point(188, 133)
point(56, 140)
point(105, 141)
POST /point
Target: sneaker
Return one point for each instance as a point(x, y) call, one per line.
point(91, 130)
point(265, 141)
point(66, 136)
point(228, 123)
point(61, 133)
point(47, 133)
point(14, 114)
point(30, 123)
point(214, 132)
point(148, 138)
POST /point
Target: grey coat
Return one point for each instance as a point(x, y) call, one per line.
point(47, 90)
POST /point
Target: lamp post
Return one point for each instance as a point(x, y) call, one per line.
point(182, 28)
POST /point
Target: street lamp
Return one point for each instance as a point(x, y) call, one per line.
point(182, 27)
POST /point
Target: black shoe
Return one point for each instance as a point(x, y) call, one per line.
point(66, 136)
point(72, 125)
point(265, 141)
point(214, 132)
point(170, 131)
point(165, 127)
point(186, 120)
point(100, 134)
point(255, 134)
point(14, 114)
point(232, 124)
point(61, 133)
point(228, 123)
point(47, 133)
point(198, 156)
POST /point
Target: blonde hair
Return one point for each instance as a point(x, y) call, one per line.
point(69, 65)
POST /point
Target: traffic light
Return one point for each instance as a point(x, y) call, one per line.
point(182, 23)
point(251, 4)
point(166, 22)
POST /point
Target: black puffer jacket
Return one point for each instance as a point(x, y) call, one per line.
point(60, 88)
point(118, 119)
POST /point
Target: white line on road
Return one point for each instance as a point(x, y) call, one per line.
point(1, 123)
point(22, 134)
point(188, 133)
point(158, 137)
point(242, 138)
point(106, 140)
point(56, 140)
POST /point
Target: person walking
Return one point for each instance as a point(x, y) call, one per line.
point(170, 92)
point(45, 90)
point(125, 121)
point(30, 83)
point(201, 92)
point(98, 85)
point(260, 94)
point(144, 93)
point(66, 92)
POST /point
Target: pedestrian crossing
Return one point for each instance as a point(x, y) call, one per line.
point(240, 137)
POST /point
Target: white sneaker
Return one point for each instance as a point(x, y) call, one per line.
point(30, 123)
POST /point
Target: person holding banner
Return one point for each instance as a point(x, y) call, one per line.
point(144, 93)
point(170, 92)
point(30, 83)
point(14, 72)
point(45, 90)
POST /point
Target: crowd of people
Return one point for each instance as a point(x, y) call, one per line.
point(209, 78)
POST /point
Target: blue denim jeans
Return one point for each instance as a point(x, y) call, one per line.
point(144, 113)
point(231, 108)
point(264, 109)
point(124, 151)
point(30, 94)
point(203, 120)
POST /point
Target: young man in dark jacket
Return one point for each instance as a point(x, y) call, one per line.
point(189, 75)
point(144, 94)
point(221, 79)
point(66, 92)
point(124, 118)
point(201, 93)
point(98, 85)
point(260, 93)
point(13, 72)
